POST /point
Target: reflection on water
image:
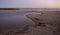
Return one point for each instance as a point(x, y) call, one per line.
point(12, 19)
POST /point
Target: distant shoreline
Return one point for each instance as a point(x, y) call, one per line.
point(32, 9)
point(9, 8)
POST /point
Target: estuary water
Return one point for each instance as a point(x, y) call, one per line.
point(14, 19)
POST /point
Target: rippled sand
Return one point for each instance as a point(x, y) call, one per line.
point(48, 20)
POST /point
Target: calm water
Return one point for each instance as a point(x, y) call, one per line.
point(12, 19)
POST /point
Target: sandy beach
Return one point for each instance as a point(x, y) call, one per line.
point(46, 23)
point(48, 20)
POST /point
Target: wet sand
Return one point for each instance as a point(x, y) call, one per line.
point(49, 20)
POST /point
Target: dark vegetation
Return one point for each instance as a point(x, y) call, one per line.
point(9, 8)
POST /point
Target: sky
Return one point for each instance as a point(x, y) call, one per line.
point(29, 3)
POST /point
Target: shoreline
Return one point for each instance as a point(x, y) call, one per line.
point(45, 25)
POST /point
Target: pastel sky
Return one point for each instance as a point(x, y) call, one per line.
point(30, 3)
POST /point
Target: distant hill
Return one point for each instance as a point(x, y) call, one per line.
point(9, 8)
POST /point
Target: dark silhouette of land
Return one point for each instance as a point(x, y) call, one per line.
point(9, 8)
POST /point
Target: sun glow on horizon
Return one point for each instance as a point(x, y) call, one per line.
point(52, 4)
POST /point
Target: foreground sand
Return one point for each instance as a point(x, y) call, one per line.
point(45, 24)
point(31, 31)
point(49, 20)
